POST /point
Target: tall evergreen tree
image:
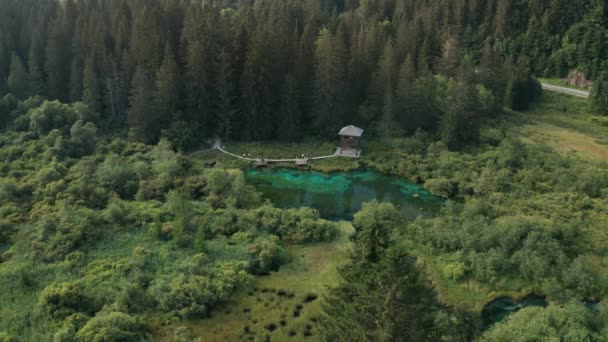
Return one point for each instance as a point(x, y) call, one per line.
point(599, 96)
point(387, 122)
point(257, 90)
point(4, 65)
point(168, 87)
point(460, 124)
point(18, 79)
point(57, 54)
point(34, 68)
point(142, 118)
point(148, 37)
point(225, 105)
point(381, 296)
point(404, 96)
point(329, 84)
point(197, 81)
point(76, 80)
point(304, 64)
point(290, 117)
point(91, 86)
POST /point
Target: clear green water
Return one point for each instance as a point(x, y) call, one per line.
point(338, 196)
point(499, 309)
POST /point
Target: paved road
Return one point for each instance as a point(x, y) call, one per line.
point(564, 90)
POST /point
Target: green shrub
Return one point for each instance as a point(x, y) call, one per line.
point(441, 187)
point(111, 326)
point(194, 295)
point(60, 300)
point(50, 115)
point(454, 270)
point(267, 253)
point(5, 337)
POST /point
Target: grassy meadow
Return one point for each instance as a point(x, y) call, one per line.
point(282, 305)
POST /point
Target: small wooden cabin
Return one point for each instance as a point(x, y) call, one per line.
point(350, 137)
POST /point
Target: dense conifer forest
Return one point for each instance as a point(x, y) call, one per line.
point(286, 69)
point(111, 231)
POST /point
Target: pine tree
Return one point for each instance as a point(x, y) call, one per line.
point(168, 88)
point(37, 85)
point(404, 96)
point(225, 109)
point(197, 80)
point(142, 112)
point(56, 68)
point(387, 121)
point(329, 84)
point(91, 92)
point(4, 65)
point(18, 79)
point(147, 39)
point(384, 76)
point(290, 119)
point(304, 65)
point(381, 295)
point(460, 125)
point(599, 96)
point(257, 90)
point(76, 80)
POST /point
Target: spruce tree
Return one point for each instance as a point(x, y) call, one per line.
point(147, 39)
point(4, 65)
point(290, 117)
point(37, 85)
point(225, 108)
point(257, 90)
point(143, 124)
point(76, 80)
point(18, 79)
point(460, 124)
point(404, 96)
point(387, 120)
point(91, 86)
point(304, 64)
point(56, 68)
point(599, 96)
point(168, 88)
point(329, 84)
point(197, 79)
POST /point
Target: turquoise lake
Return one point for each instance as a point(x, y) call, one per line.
point(339, 195)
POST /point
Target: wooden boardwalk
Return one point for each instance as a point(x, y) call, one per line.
point(217, 145)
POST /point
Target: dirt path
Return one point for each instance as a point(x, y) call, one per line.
point(564, 90)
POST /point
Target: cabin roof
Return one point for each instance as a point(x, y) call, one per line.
point(351, 131)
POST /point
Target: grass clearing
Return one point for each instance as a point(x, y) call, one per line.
point(568, 141)
point(565, 124)
point(284, 305)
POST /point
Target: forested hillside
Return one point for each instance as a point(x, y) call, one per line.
point(267, 69)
